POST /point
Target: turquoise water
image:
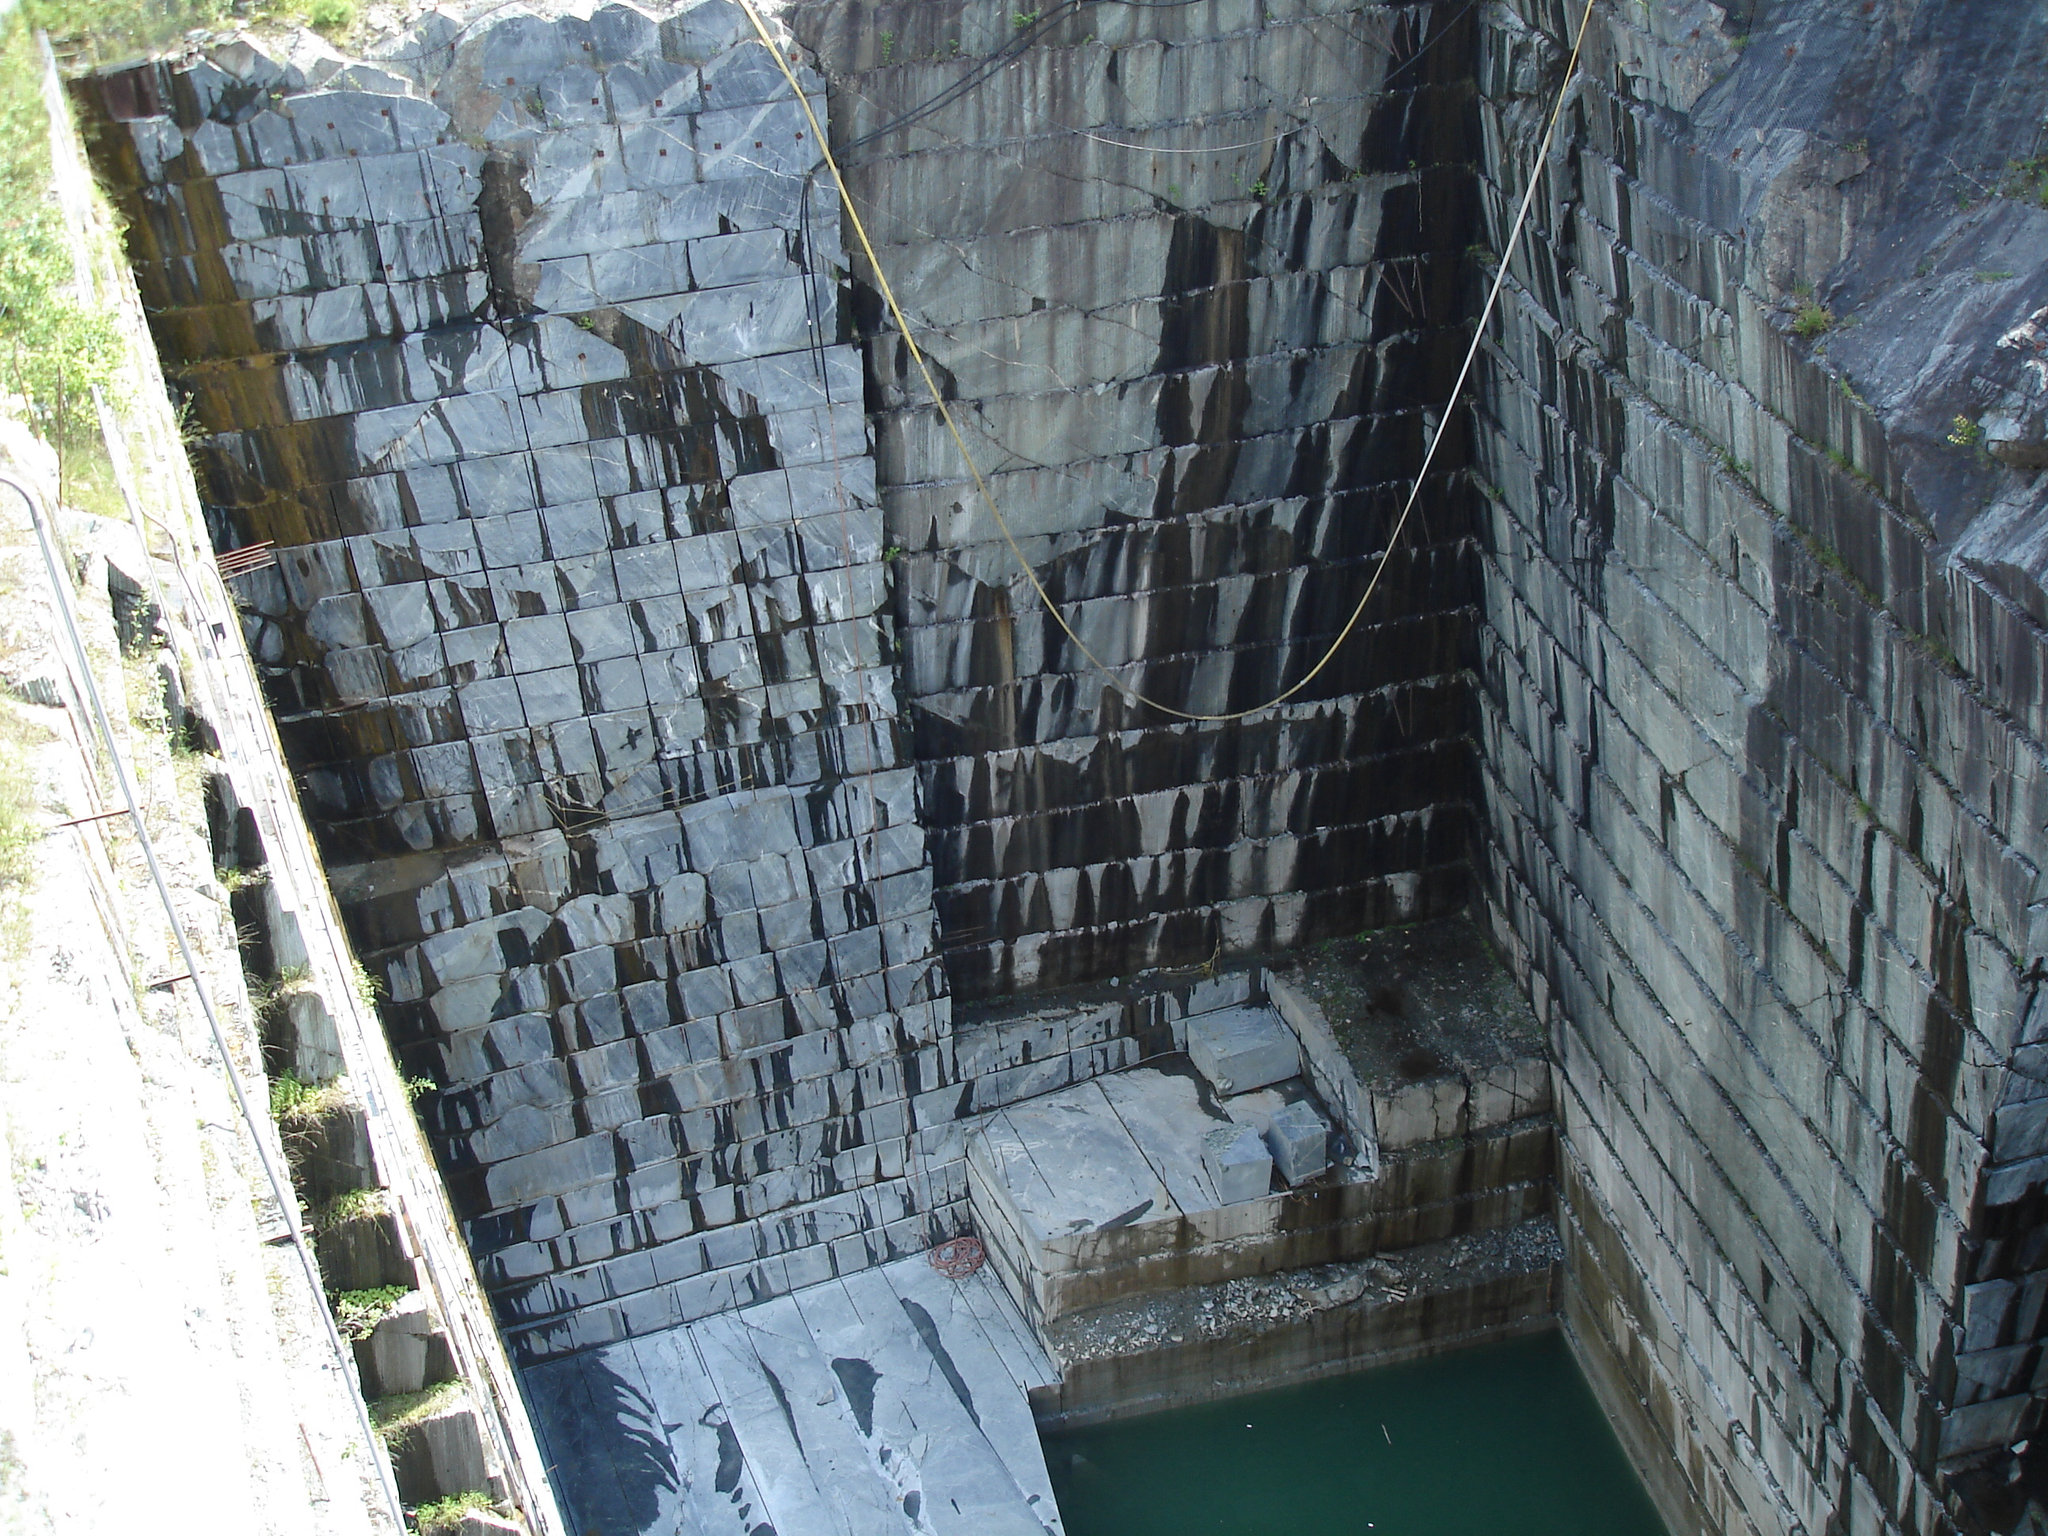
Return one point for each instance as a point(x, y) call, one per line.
point(1502, 1440)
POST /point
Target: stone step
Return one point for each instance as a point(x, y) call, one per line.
point(436, 1445)
point(407, 1351)
point(360, 1248)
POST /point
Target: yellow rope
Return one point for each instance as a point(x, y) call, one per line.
point(1393, 540)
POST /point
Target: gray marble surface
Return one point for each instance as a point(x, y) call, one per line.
point(1125, 1149)
point(890, 1401)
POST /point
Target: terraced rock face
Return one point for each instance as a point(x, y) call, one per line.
point(522, 341)
point(1188, 273)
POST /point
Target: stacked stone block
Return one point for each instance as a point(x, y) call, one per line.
point(522, 341)
point(1186, 270)
point(1763, 810)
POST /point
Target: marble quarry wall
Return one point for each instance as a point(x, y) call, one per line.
point(1760, 727)
point(684, 739)
point(1188, 270)
point(524, 343)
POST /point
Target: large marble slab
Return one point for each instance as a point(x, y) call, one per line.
point(1101, 1189)
point(888, 1403)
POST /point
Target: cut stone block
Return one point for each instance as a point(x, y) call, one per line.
point(439, 1454)
point(405, 1352)
point(1300, 1142)
point(363, 1253)
point(1239, 1049)
point(1239, 1163)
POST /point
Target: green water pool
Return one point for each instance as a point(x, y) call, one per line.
point(1501, 1440)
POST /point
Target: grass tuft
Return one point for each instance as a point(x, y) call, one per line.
point(394, 1416)
point(1813, 320)
point(351, 1205)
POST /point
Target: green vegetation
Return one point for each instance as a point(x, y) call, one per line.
point(108, 31)
point(287, 1093)
point(264, 996)
point(445, 1515)
point(1813, 320)
point(356, 1313)
point(1965, 433)
point(295, 1102)
point(54, 348)
point(351, 1205)
point(1741, 469)
point(396, 1414)
point(369, 990)
point(240, 879)
point(1022, 19)
point(2026, 180)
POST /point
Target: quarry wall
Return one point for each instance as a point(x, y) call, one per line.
point(524, 345)
point(682, 758)
point(1759, 734)
point(1187, 270)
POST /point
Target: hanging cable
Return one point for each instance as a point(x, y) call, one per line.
point(1513, 241)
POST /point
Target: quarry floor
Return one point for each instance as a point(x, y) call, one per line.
point(893, 1400)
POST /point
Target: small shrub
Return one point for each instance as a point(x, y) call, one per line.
point(445, 1515)
point(331, 18)
point(1813, 320)
point(1965, 433)
point(296, 1104)
point(287, 1093)
point(357, 1313)
point(264, 996)
point(369, 990)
